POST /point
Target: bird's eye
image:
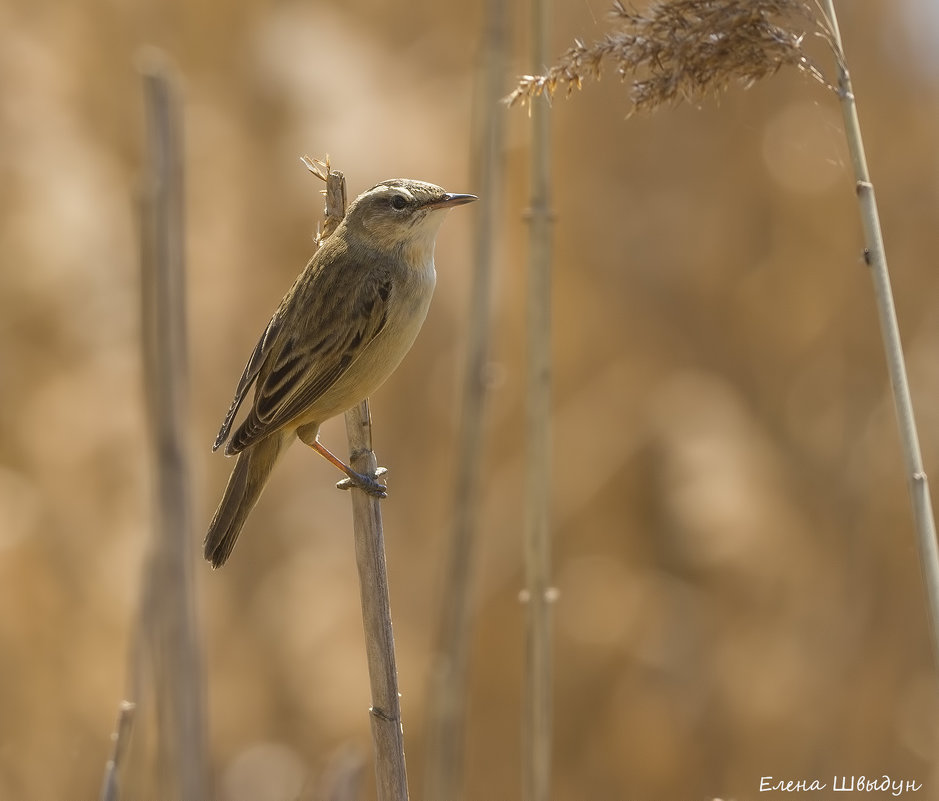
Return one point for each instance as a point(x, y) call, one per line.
point(399, 202)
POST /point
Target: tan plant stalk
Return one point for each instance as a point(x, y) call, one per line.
point(876, 257)
point(110, 787)
point(385, 711)
point(166, 663)
point(446, 721)
point(538, 702)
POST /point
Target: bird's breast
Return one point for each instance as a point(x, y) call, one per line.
point(408, 303)
point(406, 310)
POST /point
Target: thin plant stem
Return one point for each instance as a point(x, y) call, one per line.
point(876, 257)
point(168, 653)
point(110, 787)
point(385, 711)
point(447, 703)
point(537, 724)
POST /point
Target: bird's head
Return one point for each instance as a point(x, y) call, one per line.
point(402, 214)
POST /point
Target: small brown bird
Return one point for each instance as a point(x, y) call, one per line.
point(340, 331)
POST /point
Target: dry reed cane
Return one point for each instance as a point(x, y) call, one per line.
point(876, 258)
point(166, 660)
point(385, 711)
point(538, 593)
point(447, 701)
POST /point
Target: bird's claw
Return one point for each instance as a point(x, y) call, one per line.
point(366, 483)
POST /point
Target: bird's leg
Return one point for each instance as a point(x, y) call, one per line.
point(360, 480)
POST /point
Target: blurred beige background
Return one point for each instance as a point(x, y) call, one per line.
point(739, 588)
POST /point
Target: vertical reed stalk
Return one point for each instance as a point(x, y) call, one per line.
point(876, 258)
point(447, 703)
point(387, 728)
point(387, 731)
point(111, 787)
point(169, 653)
point(537, 726)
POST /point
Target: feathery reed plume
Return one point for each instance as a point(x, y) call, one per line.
point(686, 50)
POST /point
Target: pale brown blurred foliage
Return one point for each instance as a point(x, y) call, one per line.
point(739, 592)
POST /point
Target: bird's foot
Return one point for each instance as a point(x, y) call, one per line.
point(365, 483)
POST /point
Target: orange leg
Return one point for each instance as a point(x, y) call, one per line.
point(363, 482)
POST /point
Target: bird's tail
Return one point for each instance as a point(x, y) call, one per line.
point(244, 488)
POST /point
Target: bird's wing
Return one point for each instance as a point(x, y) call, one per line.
point(310, 356)
point(252, 368)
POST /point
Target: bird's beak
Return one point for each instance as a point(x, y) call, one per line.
point(449, 200)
